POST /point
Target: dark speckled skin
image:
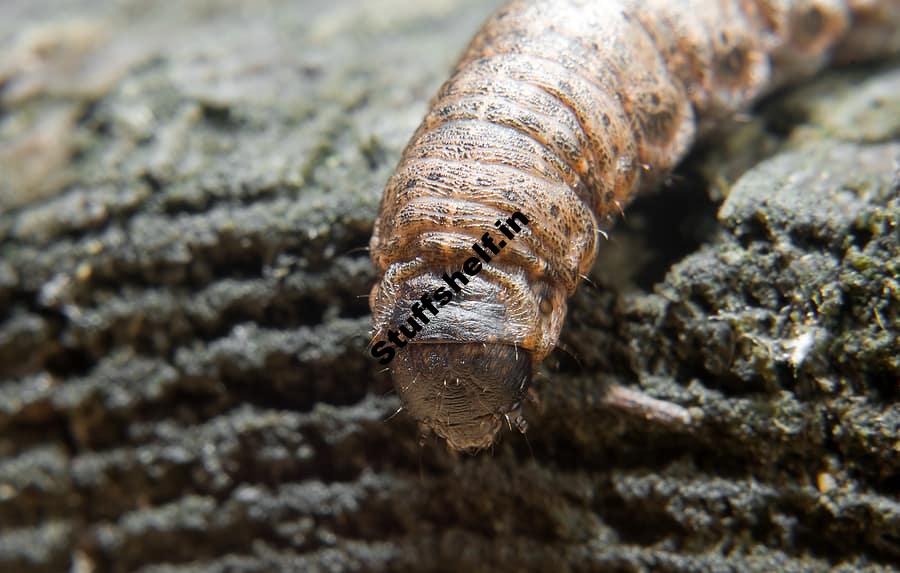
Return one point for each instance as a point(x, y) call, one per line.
point(563, 110)
point(495, 381)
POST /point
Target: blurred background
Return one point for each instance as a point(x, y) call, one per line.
point(187, 190)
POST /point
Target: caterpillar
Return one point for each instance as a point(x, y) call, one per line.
point(562, 110)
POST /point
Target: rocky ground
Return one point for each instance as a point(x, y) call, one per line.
point(186, 190)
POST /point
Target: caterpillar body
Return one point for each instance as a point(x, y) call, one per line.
point(562, 110)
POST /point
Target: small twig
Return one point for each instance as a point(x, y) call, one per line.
point(640, 404)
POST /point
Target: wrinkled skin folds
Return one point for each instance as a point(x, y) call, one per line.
point(563, 110)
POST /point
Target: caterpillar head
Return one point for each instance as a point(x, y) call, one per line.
point(463, 392)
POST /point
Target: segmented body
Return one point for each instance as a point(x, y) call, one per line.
point(563, 109)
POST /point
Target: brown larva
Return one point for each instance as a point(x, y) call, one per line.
point(562, 110)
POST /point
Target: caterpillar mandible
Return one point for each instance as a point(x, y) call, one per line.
point(561, 110)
